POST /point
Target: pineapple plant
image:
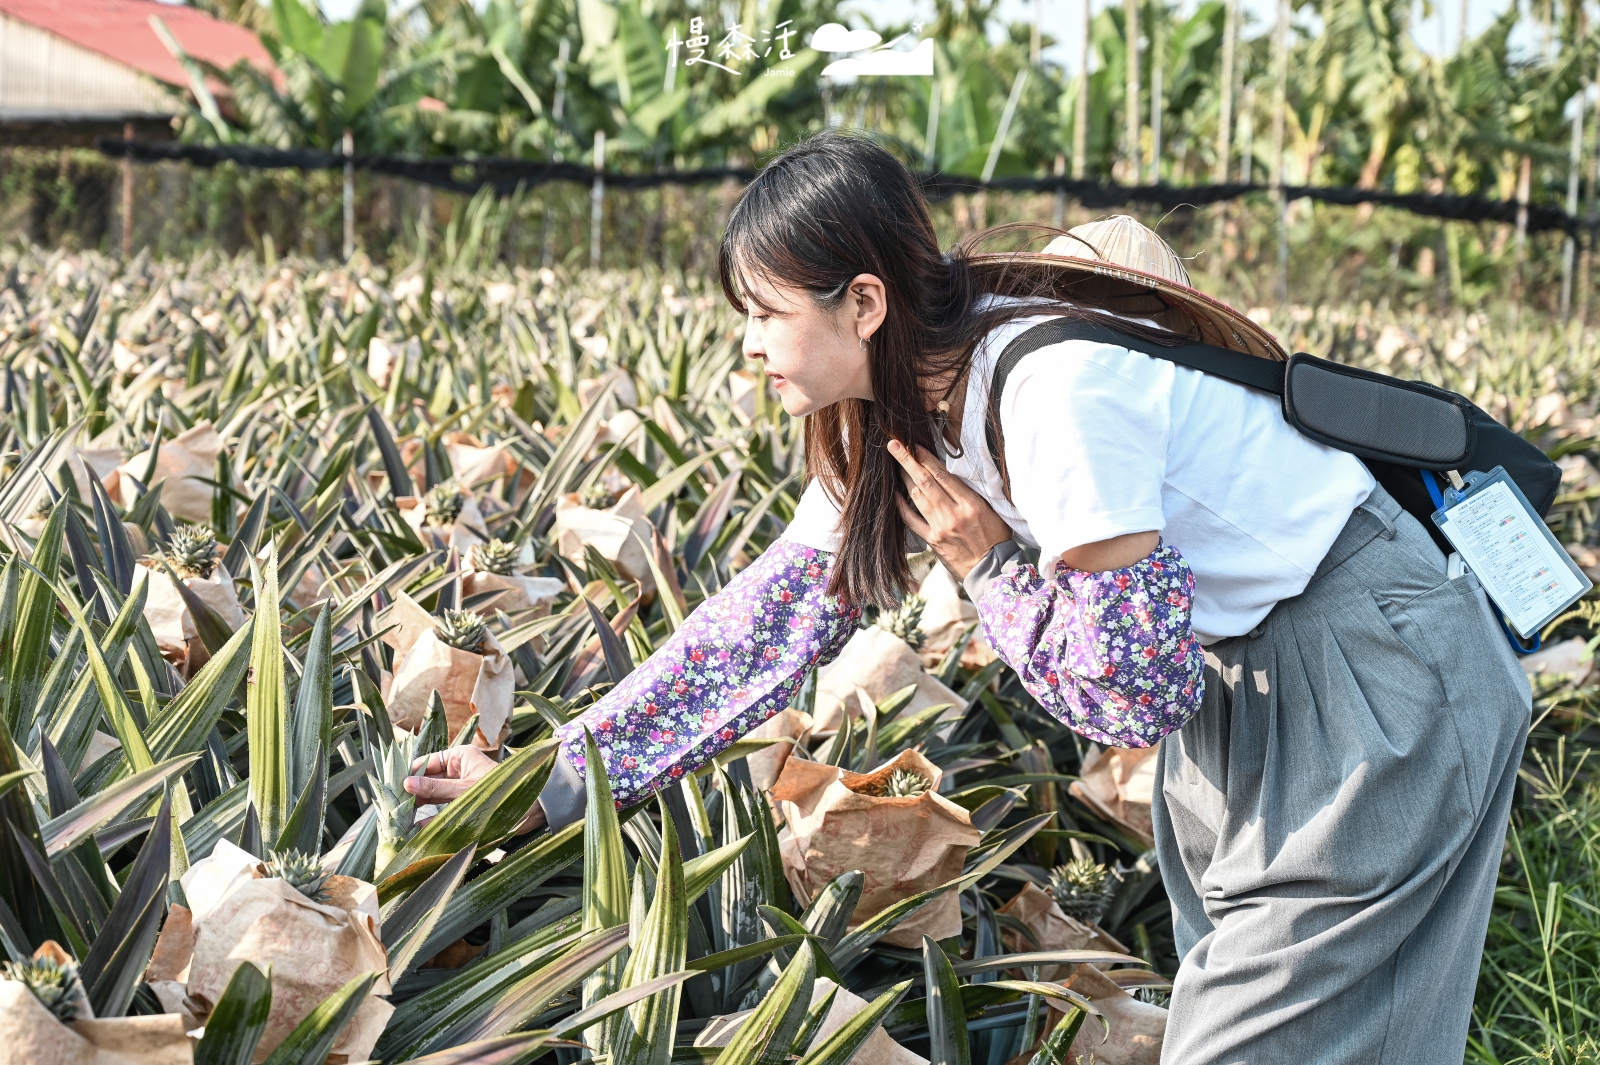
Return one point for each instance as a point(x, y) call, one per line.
point(396, 808)
point(496, 557)
point(462, 629)
point(1083, 888)
point(192, 551)
point(442, 504)
point(906, 620)
point(301, 871)
point(54, 981)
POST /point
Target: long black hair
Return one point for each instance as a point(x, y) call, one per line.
point(834, 206)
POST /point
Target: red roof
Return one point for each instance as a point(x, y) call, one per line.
point(120, 30)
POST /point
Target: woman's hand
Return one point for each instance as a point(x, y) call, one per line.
point(957, 522)
point(448, 774)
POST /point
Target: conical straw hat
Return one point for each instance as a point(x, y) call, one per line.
point(1119, 265)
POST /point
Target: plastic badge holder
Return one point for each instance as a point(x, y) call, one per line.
point(1521, 566)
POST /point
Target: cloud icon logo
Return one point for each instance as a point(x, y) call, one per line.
point(918, 61)
point(832, 37)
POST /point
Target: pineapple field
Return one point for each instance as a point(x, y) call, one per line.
point(273, 534)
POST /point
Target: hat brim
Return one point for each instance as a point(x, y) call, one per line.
point(1096, 283)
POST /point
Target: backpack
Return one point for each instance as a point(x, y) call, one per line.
point(1402, 430)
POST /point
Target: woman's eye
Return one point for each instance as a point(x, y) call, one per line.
point(759, 317)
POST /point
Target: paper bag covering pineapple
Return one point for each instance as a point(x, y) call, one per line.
point(193, 554)
point(471, 461)
point(46, 1019)
point(1118, 784)
point(455, 655)
point(891, 824)
point(492, 567)
point(880, 660)
point(1084, 891)
point(185, 467)
point(766, 765)
point(945, 616)
point(618, 530)
point(445, 516)
point(1137, 1029)
point(317, 932)
point(879, 1049)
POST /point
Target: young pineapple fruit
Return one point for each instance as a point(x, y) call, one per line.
point(461, 629)
point(54, 981)
point(192, 551)
point(906, 621)
point(598, 497)
point(442, 504)
point(1083, 888)
point(905, 784)
point(303, 872)
point(396, 807)
point(496, 556)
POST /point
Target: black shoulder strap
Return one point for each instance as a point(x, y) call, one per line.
point(1236, 366)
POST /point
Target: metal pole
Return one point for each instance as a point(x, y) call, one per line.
point(1131, 90)
point(349, 195)
point(597, 198)
point(1569, 247)
point(930, 144)
point(1080, 120)
point(127, 195)
point(1225, 112)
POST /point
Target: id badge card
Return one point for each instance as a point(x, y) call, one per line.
point(1520, 564)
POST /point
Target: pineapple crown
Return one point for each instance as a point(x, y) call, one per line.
point(43, 506)
point(461, 629)
point(905, 621)
point(303, 872)
point(598, 497)
point(901, 784)
point(54, 981)
point(496, 556)
point(442, 504)
point(192, 551)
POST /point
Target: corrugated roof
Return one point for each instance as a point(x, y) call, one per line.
point(120, 30)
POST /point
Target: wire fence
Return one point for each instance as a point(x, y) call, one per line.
point(505, 176)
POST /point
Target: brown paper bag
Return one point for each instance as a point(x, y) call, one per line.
point(1054, 930)
point(1118, 784)
point(945, 616)
point(468, 682)
point(880, 663)
point(521, 593)
point(1137, 1028)
point(621, 533)
point(314, 948)
point(879, 1049)
point(902, 845)
point(466, 530)
point(766, 765)
point(186, 463)
point(30, 1035)
point(170, 621)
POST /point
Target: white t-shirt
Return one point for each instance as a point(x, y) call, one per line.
point(1101, 441)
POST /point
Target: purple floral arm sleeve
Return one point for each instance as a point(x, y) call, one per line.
point(1111, 654)
point(733, 663)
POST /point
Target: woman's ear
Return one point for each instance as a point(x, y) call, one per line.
point(868, 304)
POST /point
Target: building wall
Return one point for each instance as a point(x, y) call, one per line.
point(46, 78)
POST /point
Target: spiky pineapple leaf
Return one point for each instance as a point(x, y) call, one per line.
point(407, 927)
point(660, 949)
point(767, 1034)
point(61, 834)
point(265, 711)
point(947, 1019)
point(115, 964)
point(841, 1047)
point(236, 1023)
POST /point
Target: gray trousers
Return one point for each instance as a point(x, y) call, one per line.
point(1330, 824)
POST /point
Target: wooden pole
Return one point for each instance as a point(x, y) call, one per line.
point(127, 195)
point(1080, 120)
point(597, 198)
point(1569, 246)
point(1131, 90)
point(1157, 61)
point(1280, 94)
point(1230, 33)
point(349, 195)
